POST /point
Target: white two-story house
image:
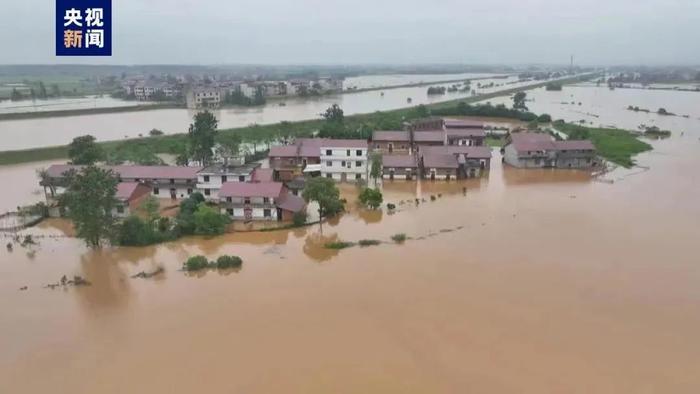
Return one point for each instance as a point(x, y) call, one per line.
point(210, 179)
point(344, 160)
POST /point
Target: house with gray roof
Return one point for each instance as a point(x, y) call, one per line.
point(248, 201)
point(540, 150)
point(399, 167)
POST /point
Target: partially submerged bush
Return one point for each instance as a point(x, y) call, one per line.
point(391, 206)
point(338, 245)
point(299, 218)
point(228, 262)
point(196, 263)
point(399, 238)
point(369, 242)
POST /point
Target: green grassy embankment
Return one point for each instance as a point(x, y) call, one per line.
point(615, 145)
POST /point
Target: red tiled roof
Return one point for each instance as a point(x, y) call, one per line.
point(524, 142)
point(386, 135)
point(429, 136)
point(401, 161)
point(156, 172)
point(262, 175)
point(250, 189)
point(343, 143)
point(432, 160)
point(473, 152)
point(574, 145)
point(126, 171)
point(283, 151)
point(290, 202)
point(129, 190)
point(463, 123)
point(465, 133)
point(125, 190)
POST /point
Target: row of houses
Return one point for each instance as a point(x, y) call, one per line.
point(339, 159)
point(244, 192)
point(148, 90)
point(433, 148)
point(213, 95)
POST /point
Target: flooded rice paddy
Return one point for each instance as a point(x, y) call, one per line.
point(533, 281)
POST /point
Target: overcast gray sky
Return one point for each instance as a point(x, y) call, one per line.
point(372, 31)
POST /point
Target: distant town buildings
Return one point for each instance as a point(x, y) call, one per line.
point(206, 92)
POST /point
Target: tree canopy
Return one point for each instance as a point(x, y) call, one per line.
point(519, 101)
point(325, 193)
point(376, 167)
point(90, 199)
point(201, 136)
point(334, 114)
point(84, 150)
point(371, 198)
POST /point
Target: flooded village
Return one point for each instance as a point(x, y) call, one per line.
point(511, 278)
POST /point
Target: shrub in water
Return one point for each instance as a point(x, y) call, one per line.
point(196, 263)
point(398, 238)
point(338, 245)
point(299, 218)
point(228, 262)
point(369, 242)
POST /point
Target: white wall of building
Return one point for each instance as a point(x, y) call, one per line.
point(337, 161)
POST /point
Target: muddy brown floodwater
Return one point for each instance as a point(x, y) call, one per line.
point(532, 282)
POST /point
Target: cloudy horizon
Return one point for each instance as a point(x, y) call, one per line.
point(277, 32)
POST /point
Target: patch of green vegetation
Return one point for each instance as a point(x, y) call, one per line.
point(199, 262)
point(615, 145)
point(494, 142)
point(196, 263)
point(225, 262)
point(338, 245)
point(399, 238)
point(369, 242)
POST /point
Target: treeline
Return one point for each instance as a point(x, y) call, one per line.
point(238, 98)
point(37, 91)
point(488, 110)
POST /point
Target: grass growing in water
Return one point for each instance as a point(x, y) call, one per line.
point(369, 242)
point(199, 262)
point(399, 238)
point(338, 245)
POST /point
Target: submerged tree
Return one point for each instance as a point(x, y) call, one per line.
point(201, 136)
point(325, 193)
point(371, 198)
point(376, 168)
point(90, 200)
point(519, 101)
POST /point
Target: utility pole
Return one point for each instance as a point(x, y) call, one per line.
point(571, 67)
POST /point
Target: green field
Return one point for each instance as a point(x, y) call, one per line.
point(615, 145)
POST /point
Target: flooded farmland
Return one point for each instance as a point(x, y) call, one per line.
point(41, 132)
point(531, 282)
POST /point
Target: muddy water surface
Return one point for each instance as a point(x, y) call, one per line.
point(530, 282)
